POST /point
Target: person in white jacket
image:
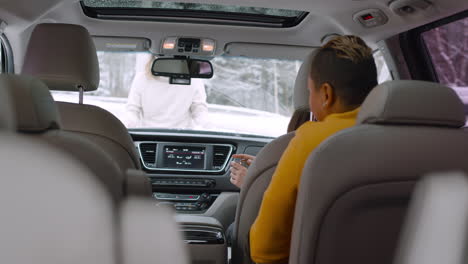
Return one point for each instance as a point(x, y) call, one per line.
point(154, 103)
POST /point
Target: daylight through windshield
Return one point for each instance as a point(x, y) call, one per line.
point(245, 95)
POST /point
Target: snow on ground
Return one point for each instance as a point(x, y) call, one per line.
point(222, 118)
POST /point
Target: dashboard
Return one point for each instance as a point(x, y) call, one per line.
point(189, 170)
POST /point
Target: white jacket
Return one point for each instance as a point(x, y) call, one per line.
point(155, 103)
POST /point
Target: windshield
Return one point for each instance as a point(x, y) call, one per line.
point(246, 95)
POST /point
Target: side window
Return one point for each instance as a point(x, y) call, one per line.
point(447, 46)
point(5, 55)
point(383, 74)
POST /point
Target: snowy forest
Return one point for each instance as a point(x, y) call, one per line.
point(448, 48)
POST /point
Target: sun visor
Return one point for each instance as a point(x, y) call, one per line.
point(121, 44)
point(258, 50)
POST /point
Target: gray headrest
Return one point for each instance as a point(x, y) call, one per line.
point(412, 103)
point(301, 91)
point(35, 108)
point(63, 56)
point(6, 110)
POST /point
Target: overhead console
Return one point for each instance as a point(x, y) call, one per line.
point(188, 46)
point(184, 157)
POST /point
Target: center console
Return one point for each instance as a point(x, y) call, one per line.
point(196, 203)
point(205, 239)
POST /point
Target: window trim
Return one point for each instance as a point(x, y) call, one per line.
point(8, 65)
point(415, 51)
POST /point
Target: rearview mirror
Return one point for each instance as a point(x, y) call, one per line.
point(182, 69)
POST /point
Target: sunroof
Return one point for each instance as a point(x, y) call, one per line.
point(192, 12)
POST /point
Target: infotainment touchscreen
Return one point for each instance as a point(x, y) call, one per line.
point(183, 157)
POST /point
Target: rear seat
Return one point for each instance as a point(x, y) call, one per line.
point(366, 174)
point(436, 224)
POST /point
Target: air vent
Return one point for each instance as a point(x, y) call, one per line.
point(148, 154)
point(220, 155)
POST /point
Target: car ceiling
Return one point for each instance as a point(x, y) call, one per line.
point(326, 16)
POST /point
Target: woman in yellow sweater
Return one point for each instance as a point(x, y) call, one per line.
point(342, 73)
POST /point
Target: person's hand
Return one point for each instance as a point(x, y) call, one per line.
point(244, 157)
point(238, 171)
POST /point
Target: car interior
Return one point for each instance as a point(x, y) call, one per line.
point(119, 120)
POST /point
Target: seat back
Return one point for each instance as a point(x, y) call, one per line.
point(53, 209)
point(260, 172)
point(256, 182)
point(150, 234)
point(64, 57)
point(37, 117)
point(102, 128)
point(355, 187)
point(437, 221)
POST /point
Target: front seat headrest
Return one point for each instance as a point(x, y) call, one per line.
point(301, 90)
point(35, 108)
point(63, 56)
point(6, 110)
point(412, 103)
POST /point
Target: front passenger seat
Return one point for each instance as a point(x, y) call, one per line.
point(260, 172)
point(64, 57)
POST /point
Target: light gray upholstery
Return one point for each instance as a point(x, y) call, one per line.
point(103, 166)
point(7, 118)
point(35, 108)
point(150, 234)
point(37, 116)
point(104, 129)
point(437, 222)
point(53, 209)
point(63, 56)
point(413, 102)
point(356, 185)
point(256, 182)
point(301, 90)
point(260, 172)
point(137, 183)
